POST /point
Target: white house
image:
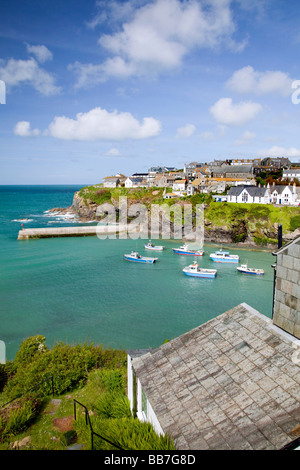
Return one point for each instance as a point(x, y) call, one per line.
point(179, 185)
point(111, 182)
point(283, 195)
point(249, 194)
point(292, 173)
point(228, 384)
point(135, 182)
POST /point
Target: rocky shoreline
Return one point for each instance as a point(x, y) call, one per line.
point(239, 234)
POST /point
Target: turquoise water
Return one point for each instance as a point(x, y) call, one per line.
point(81, 289)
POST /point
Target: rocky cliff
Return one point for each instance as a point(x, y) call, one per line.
point(223, 223)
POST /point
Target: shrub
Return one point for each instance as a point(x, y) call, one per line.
point(295, 223)
point(17, 416)
point(69, 366)
point(113, 405)
point(127, 433)
point(29, 348)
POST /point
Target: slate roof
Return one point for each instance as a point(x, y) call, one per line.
point(230, 383)
point(254, 191)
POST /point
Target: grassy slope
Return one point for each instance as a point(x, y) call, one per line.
point(259, 218)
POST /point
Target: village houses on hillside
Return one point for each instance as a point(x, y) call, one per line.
point(233, 179)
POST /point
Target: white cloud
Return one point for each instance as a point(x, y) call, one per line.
point(41, 52)
point(113, 152)
point(99, 124)
point(186, 131)
point(229, 114)
point(17, 72)
point(156, 37)
point(22, 128)
point(248, 80)
point(276, 151)
point(207, 135)
point(245, 139)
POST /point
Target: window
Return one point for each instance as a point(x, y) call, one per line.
point(245, 197)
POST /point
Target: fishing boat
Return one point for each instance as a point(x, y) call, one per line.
point(194, 271)
point(184, 250)
point(150, 246)
point(224, 257)
point(134, 256)
point(244, 269)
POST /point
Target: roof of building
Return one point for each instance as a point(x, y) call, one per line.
point(230, 383)
point(254, 191)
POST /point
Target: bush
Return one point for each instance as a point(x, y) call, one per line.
point(17, 416)
point(127, 433)
point(29, 349)
point(295, 223)
point(69, 366)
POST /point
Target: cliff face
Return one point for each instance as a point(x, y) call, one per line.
point(222, 224)
point(85, 209)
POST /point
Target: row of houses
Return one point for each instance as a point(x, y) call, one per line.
point(275, 194)
point(216, 178)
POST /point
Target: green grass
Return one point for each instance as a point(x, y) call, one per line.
point(95, 377)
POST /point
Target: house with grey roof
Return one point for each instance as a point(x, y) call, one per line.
point(231, 383)
point(233, 171)
point(291, 174)
point(249, 194)
point(283, 195)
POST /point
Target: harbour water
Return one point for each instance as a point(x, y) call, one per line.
point(82, 290)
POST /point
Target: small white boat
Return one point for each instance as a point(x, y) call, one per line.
point(244, 269)
point(224, 257)
point(150, 246)
point(184, 250)
point(194, 271)
point(134, 256)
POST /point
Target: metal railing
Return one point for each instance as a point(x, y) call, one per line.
point(88, 422)
point(30, 390)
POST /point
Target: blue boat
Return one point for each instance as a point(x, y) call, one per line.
point(255, 271)
point(184, 250)
point(134, 256)
point(194, 271)
point(224, 257)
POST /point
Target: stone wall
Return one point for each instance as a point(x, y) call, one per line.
point(287, 290)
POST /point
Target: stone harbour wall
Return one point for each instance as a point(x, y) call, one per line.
point(287, 289)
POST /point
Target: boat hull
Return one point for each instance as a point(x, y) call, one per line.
point(187, 253)
point(140, 260)
point(154, 248)
point(217, 259)
point(253, 273)
point(207, 275)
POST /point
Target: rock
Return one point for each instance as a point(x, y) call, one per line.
point(22, 443)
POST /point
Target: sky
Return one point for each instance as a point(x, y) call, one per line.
point(92, 88)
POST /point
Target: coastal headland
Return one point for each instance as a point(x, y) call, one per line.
point(248, 225)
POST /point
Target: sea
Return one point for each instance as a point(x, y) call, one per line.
point(82, 290)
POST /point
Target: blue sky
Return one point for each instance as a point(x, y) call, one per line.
point(98, 87)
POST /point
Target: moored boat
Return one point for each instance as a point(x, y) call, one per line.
point(244, 269)
point(151, 246)
point(134, 256)
point(184, 250)
point(194, 271)
point(224, 257)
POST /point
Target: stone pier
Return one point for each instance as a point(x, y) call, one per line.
point(85, 231)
